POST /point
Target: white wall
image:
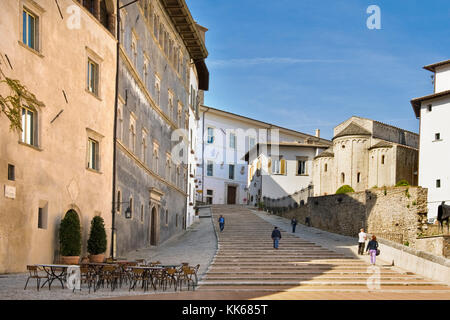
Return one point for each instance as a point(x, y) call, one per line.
point(442, 81)
point(434, 156)
point(280, 185)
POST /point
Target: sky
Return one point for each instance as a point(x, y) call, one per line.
point(308, 64)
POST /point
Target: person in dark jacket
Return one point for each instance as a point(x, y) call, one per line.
point(372, 247)
point(294, 224)
point(276, 236)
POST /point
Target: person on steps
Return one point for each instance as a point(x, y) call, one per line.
point(221, 223)
point(362, 237)
point(294, 224)
point(276, 236)
point(372, 247)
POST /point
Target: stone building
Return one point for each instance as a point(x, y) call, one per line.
point(64, 52)
point(366, 154)
point(161, 73)
point(433, 111)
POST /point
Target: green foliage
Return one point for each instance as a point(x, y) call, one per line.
point(18, 96)
point(402, 183)
point(70, 234)
point(375, 187)
point(385, 190)
point(344, 189)
point(406, 243)
point(97, 237)
point(414, 203)
point(260, 205)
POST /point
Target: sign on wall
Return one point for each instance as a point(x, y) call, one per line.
point(10, 192)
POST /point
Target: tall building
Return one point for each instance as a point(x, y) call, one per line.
point(161, 73)
point(433, 111)
point(65, 53)
point(366, 154)
point(223, 140)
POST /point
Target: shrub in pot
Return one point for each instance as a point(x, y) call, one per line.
point(97, 240)
point(70, 238)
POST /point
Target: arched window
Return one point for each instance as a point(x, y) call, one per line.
point(358, 177)
point(326, 167)
point(131, 206)
point(343, 177)
point(167, 217)
point(382, 159)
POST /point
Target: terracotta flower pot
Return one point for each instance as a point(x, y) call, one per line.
point(97, 258)
point(70, 259)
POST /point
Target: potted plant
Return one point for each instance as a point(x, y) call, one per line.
point(97, 240)
point(70, 238)
point(260, 205)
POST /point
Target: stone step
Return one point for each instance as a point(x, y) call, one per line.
point(214, 272)
point(307, 276)
point(341, 288)
point(314, 283)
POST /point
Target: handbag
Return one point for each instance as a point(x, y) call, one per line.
point(378, 252)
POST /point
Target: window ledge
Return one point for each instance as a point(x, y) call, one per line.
point(30, 146)
point(94, 171)
point(93, 94)
point(40, 55)
point(437, 140)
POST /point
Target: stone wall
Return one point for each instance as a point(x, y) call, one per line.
point(396, 213)
point(438, 245)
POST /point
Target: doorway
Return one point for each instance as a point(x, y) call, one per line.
point(153, 227)
point(231, 195)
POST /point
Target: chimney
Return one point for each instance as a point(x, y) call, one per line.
point(318, 133)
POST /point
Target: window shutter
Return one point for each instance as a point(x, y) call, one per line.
point(269, 165)
point(283, 166)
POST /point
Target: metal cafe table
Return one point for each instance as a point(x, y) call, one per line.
point(54, 272)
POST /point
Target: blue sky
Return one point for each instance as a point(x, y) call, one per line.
point(306, 64)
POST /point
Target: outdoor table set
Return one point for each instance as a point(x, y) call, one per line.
point(116, 273)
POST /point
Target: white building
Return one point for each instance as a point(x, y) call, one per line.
point(224, 139)
point(278, 170)
point(433, 111)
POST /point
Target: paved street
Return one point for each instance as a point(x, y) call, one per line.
point(310, 264)
point(197, 246)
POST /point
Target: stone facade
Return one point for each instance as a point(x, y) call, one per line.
point(156, 99)
point(53, 170)
point(366, 154)
point(395, 213)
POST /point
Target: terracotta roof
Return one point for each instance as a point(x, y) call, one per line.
point(416, 103)
point(325, 154)
point(381, 144)
point(268, 125)
point(352, 130)
point(181, 17)
point(432, 67)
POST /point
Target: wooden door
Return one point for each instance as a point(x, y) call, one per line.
point(231, 195)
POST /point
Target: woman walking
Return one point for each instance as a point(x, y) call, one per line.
point(372, 247)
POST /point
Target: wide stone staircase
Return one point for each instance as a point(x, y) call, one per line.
point(246, 260)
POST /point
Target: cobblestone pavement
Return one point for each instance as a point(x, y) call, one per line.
point(197, 246)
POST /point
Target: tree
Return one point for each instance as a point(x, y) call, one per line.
point(344, 189)
point(97, 236)
point(70, 234)
point(17, 97)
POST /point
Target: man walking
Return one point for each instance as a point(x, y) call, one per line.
point(362, 237)
point(276, 236)
point(294, 224)
point(221, 223)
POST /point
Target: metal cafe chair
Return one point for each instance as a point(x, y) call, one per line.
point(34, 274)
